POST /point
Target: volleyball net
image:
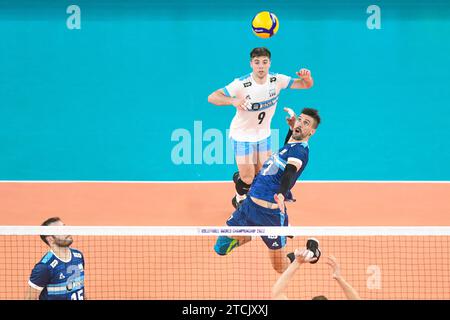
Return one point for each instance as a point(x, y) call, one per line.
point(180, 262)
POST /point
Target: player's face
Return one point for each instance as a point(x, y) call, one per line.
point(303, 127)
point(260, 66)
point(60, 241)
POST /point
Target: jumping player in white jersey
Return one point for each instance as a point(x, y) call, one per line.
point(255, 97)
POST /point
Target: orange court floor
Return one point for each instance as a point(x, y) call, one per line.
point(187, 267)
point(209, 203)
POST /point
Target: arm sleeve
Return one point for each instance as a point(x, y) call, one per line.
point(40, 276)
point(287, 178)
point(285, 81)
point(288, 136)
point(232, 89)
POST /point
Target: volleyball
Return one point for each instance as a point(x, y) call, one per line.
point(265, 24)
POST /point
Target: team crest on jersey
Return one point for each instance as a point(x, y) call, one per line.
point(247, 84)
point(61, 276)
point(54, 263)
point(256, 106)
point(273, 79)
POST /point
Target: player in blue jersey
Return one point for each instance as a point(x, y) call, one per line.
point(59, 275)
point(264, 205)
point(255, 97)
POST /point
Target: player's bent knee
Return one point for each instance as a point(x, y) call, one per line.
point(224, 245)
point(247, 177)
point(279, 260)
point(278, 267)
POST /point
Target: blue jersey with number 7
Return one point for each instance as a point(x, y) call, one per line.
point(268, 180)
point(58, 279)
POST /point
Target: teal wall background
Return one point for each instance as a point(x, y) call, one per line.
point(101, 103)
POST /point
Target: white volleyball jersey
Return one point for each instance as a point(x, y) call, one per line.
point(254, 125)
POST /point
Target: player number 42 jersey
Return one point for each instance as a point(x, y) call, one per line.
point(254, 125)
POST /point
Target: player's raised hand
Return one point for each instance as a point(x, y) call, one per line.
point(304, 74)
point(241, 103)
point(332, 262)
point(304, 255)
point(279, 199)
point(291, 118)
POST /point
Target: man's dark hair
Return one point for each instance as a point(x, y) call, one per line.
point(320, 298)
point(260, 52)
point(313, 113)
point(46, 223)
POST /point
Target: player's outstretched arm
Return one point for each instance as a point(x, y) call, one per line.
point(304, 81)
point(301, 256)
point(219, 98)
point(290, 120)
point(349, 291)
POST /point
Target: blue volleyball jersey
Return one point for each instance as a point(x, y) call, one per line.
point(268, 180)
point(59, 280)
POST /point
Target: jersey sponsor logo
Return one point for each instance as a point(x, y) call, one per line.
point(265, 104)
point(273, 79)
point(71, 285)
point(275, 244)
point(77, 255)
point(54, 264)
point(61, 276)
point(247, 84)
point(256, 106)
point(272, 237)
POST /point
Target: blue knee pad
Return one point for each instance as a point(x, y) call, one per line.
point(224, 245)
